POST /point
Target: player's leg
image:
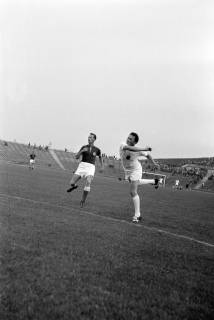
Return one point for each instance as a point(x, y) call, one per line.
point(73, 182)
point(146, 181)
point(136, 200)
point(154, 182)
point(31, 164)
point(86, 190)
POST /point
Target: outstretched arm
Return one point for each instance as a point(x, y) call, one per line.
point(101, 164)
point(136, 149)
point(149, 157)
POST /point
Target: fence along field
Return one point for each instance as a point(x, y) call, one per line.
point(59, 262)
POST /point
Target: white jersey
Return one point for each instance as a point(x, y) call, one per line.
point(130, 159)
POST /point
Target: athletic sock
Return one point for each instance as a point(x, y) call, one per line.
point(84, 196)
point(136, 201)
point(147, 181)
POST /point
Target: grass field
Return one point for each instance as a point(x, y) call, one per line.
point(62, 262)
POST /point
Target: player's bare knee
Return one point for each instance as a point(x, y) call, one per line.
point(133, 193)
point(74, 179)
point(88, 185)
point(89, 180)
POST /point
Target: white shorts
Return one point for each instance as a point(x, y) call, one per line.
point(32, 161)
point(133, 175)
point(85, 169)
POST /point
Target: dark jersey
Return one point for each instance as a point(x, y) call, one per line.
point(32, 156)
point(91, 154)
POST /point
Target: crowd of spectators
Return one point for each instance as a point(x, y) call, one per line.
point(41, 148)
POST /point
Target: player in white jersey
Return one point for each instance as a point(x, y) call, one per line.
point(32, 160)
point(130, 156)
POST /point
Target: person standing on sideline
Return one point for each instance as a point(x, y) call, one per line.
point(177, 183)
point(86, 167)
point(32, 160)
point(130, 156)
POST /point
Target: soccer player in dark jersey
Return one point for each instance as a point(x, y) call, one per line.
point(86, 168)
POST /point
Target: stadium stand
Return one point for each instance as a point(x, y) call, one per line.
point(67, 159)
point(207, 183)
point(202, 182)
point(202, 179)
point(19, 153)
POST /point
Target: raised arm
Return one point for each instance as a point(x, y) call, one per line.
point(99, 154)
point(149, 157)
point(101, 163)
point(136, 149)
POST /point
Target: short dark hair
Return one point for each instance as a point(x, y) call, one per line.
point(93, 134)
point(135, 135)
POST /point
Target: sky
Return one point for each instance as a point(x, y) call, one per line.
point(68, 68)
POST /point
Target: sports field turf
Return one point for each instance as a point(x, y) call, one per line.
point(62, 262)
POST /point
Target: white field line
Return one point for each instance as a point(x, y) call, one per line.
point(175, 235)
point(56, 158)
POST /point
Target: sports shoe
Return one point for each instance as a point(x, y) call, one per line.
point(156, 183)
point(136, 219)
point(72, 188)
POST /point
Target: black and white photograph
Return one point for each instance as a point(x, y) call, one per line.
point(106, 159)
